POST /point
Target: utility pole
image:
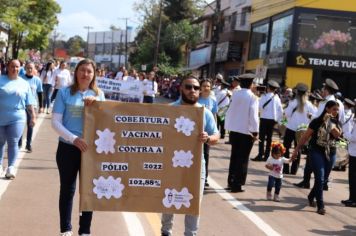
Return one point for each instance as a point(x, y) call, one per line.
point(126, 19)
point(215, 37)
point(158, 36)
point(88, 29)
point(120, 48)
point(55, 35)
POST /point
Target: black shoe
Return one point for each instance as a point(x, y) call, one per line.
point(237, 189)
point(346, 201)
point(206, 184)
point(326, 187)
point(227, 142)
point(350, 204)
point(29, 149)
point(257, 158)
point(302, 185)
point(321, 211)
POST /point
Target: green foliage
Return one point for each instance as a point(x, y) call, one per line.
point(75, 45)
point(176, 32)
point(31, 22)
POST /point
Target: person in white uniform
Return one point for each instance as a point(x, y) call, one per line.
point(242, 121)
point(271, 111)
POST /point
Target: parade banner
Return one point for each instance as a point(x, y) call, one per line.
point(119, 90)
point(141, 158)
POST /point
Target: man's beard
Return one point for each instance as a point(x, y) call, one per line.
point(187, 100)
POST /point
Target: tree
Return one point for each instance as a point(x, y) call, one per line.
point(75, 45)
point(31, 22)
point(176, 33)
point(178, 10)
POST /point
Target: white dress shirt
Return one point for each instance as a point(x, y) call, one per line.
point(297, 118)
point(350, 135)
point(221, 97)
point(151, 87)
point(273, 110)
point(242, 115)
point(341, 108)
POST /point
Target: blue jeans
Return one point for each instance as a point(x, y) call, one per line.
point(47, 90)
point(10, 134)
point(191, 222)
point(321, 168)
point(68, 162)
point(274, 182)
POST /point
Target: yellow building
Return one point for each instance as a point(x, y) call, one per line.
point(304, 41)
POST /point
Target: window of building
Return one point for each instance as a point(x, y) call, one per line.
point(243, 18)
point(326, 34)
point(206, 31)
point(281, 34)
point(259, 39)
point(233, 21)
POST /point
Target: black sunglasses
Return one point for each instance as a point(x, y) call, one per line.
point(190, 87)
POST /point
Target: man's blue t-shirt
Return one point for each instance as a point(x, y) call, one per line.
point(72, 108)
point(15, 95)
point(35, 85)
point(209, 103)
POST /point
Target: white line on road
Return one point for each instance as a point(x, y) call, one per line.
point(133, 224)
point(4, 184)
point(263, 226)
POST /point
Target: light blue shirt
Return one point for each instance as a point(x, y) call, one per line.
point(15, 95)
point(72, 108)
point(35, 85)
point(209, 103)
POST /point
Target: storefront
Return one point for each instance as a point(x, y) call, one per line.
point(307, 45)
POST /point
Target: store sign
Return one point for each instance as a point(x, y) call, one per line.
point(327, 62)
point(276, 60)
point(141, 158)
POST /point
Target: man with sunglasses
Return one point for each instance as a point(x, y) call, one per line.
point(242, 121)
point(190, 90)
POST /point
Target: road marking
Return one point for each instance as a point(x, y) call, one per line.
point(262, 225)
point(155, 222)
point(4, 183)
point(133, 224)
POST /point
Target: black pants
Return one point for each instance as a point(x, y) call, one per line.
point(68, 162)
point(147, 99)
point(206, 150)
point(352, 178)
point(29, 131)
point(266, 131)
point(308, 170)
point(241, 145)
point(221, 126)
point(289, 137)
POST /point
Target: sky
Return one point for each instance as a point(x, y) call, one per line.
point(99, 14)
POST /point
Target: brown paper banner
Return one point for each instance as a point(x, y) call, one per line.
point(141, 158)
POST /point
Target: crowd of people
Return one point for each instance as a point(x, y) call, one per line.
point(240, 109)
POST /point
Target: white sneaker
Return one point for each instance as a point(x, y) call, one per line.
point(68, 233)
point(84, 234)
point(10, 172)
point(269, 196)
point(276, 198)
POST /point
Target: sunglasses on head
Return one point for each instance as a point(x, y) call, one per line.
point(190, 87)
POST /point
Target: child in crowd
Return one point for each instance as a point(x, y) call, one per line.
point(275, 165)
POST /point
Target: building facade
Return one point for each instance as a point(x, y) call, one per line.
point(231, 49)
point(108, 48)
point(304, 41)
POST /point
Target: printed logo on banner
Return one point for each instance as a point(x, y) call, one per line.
point(105, 142)
point(108, 188)
point(177, 199)
point(301, 60)
point(182, 159)
point(184, 125)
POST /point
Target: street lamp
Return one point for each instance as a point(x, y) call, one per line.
point(88, 28)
